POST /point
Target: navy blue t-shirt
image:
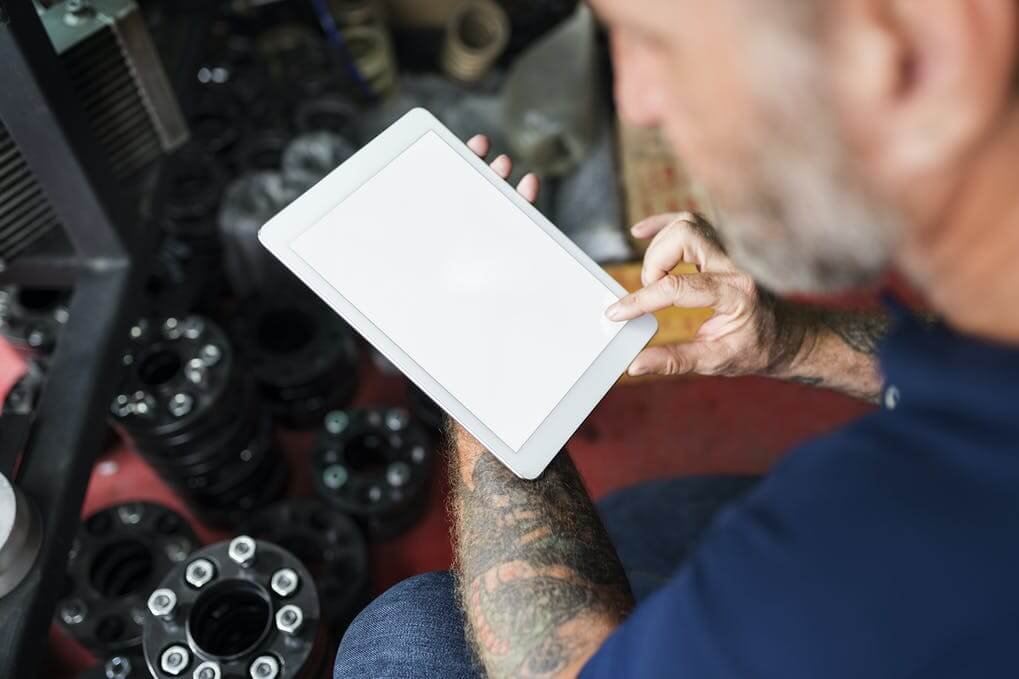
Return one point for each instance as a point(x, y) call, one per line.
point(888, 549)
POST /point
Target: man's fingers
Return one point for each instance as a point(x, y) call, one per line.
point(479, 144)
point(502, 165)
point(682, 240)
point(529, 187)
point(647, 228)
point(675, 359)
point(694, 290)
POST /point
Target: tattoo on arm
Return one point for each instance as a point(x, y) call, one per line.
point(861, 332)
point(540, 582)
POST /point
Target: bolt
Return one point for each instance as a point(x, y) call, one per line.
point(374, 493)
point(284, 582)
point(199, 573)
point(192, 327)
point(334, 476)
point(374, 418)
point(171, 329)
point(121, 406)
point(417, 454)
point(73, 612)
point(130, 514)
point(207, 670)
point(138, 329)
point(336, 421)
point(143, 404)
point(162, 604)
point(175, 660)
point(177, 550)
point(289, 619)
point(78, 7)
point(398, 474)
point(60, 315)
point(264, 667)
point(37, 337)
point(118, 667)
point(195, 371)
point(242, 550)
point(181, 404)
point(210, 354)
point(396, 419)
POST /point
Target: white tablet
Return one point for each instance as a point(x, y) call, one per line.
point(461, 283)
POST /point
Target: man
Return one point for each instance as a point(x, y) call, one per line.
point(838, 137)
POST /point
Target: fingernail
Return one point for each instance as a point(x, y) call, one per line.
point(614, 312)
point(637, 370)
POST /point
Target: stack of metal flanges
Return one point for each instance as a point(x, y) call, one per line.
point(195, 414)
point(302, 355)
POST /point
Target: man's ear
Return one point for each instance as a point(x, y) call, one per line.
point(920, 82)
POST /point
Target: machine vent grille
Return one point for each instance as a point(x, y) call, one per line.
point(25, 214)
point(106, 87)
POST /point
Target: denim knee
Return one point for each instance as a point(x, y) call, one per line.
point(415, 629)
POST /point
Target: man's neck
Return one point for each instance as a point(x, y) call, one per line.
point(967, 260)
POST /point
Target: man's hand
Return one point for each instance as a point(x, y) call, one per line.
point(738, 340)
point(751, 332)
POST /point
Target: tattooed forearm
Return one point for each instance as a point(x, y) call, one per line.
point(860, 332)
point(825, 348)
point(540, 582)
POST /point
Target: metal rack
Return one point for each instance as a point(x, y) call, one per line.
point(99, 254)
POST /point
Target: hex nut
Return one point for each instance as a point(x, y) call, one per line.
point(207, 670)
point(289, 619)
point(264, 667)
point(174, 660)
point(162, 603)
point(199, 573)
point(285, 581)
point(118, 667)
point(242, 550)
point(73, 612)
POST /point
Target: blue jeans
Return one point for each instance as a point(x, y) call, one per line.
point(416, 629)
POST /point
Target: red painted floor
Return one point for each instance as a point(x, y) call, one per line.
point(641, 431)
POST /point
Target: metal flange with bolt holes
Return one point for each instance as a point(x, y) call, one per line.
point(329, 543)
point(303, 356)
point(236, 624)
point(195, 414)
point(117, 558)
point(375, 466)
point(31, 319)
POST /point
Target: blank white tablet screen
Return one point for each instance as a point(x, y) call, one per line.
point(466, 284)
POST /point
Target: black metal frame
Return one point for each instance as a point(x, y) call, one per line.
point(102, 260)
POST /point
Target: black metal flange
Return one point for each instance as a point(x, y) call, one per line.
point(374, 465)
point(330, 544)
point(326, 114)
point(261, 150)
point(31, 318)
point(192, 187)
point(118, 556)
point(197, 417)
point(303, 356)
point(238, 608)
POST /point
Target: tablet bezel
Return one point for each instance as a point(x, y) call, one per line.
point(560, 424)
